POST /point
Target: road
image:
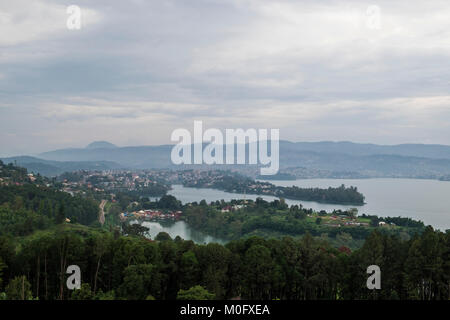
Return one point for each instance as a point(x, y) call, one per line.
point(101, 216)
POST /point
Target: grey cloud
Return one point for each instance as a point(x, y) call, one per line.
point(235, 63)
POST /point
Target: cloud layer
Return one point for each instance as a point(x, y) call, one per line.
point(135, 71)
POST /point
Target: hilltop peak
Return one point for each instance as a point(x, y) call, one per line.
point(101, 145)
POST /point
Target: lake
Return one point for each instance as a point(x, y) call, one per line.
point(179, 228)
point(425, 200)
point(420, 199)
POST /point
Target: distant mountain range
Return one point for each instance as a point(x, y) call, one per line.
point(101, 145)
point(434, 151)
point(52, 168)
point(406, 160)
point(367, 160)
point(144, 157)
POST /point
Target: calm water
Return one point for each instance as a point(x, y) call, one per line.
point(425, 200)
point(179, 228)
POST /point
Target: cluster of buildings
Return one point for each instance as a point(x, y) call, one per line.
point(127, 180)
point(354, 223)
point(383, 224)
point(108, 180)
point(151, 215)
point(344, 220)
point(200, 178)
point(6, 181)
point(120, 179)
point(225, 181)
point(235, 207)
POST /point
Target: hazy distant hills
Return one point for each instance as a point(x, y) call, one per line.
point(130, 157)
point(101, 145)
point(369, 160)
point(434, 151)
point(371, 166)
point(52, 168)
point(366, 160)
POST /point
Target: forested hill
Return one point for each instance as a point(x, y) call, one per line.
point(47, 202)
point(29, 203)
point(10, 173)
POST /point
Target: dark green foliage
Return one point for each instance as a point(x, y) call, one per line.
point(21, 222)
point(255, 268)
point(271, 219)
point(398, 221)
point(195, 293)
point(135, 230)
point(340, 195)
point(19, 289)
point(169, 202)
point(138, 282)
point(50, 203)
point(84, 293)
point(12, 173)
point(2, 267)
point(163, 236)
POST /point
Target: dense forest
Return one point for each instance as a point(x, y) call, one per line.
point(275, 219)
point(132, 267)
point(339, 195)
point(49, 203)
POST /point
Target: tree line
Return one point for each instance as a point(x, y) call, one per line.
point(127, 267)
point(47, 202)
point(276, 218)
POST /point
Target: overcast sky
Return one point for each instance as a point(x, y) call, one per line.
point(137, 70)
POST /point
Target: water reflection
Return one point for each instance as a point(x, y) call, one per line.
point(181, 229)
